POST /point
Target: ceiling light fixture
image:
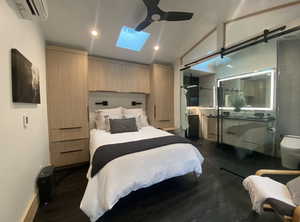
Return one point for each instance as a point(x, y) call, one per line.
point(94, 33)
point(156, 48)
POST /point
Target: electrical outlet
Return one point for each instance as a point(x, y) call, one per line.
point(25, 121)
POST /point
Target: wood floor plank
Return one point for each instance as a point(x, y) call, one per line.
point(215, 196)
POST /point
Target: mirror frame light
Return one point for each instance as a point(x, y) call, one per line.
point(242, 76)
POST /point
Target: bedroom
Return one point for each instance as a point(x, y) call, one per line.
point(80, 75)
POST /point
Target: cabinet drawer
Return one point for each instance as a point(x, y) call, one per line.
point(69, 152)
point(212, 136)
point(71, 133)
point(231, 139)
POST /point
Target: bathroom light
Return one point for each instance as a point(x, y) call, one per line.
point(272, 93)
point(156, 48)
point(94, 33)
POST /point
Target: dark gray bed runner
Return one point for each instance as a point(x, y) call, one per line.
point(106, 153)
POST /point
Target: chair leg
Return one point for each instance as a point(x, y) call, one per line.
point(287, 219)
point(296, 216)
point(196, 177)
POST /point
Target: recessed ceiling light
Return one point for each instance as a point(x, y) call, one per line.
point(94, 33)
point(156, 48)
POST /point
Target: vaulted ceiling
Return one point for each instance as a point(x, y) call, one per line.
point(70, 23)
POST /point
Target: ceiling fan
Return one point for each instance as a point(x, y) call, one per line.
point(155, 14)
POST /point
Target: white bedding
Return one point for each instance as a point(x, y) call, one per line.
point(134, 171)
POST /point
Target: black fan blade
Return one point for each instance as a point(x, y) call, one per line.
point(178, 16)
point(144, 24)
point(151, 3)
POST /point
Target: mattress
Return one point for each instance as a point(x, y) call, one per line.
point(134, 171)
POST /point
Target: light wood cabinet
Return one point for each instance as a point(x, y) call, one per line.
point(160, 104)
point(66, 96)
point(117, 76)
point(209, 128)
point(69, 152)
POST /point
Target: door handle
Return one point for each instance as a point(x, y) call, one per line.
point(70, 128)
point(71, 151)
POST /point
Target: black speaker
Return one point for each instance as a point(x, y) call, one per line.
point(46, 185)
point(193, 132)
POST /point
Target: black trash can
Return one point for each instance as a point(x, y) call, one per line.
point(46, 185)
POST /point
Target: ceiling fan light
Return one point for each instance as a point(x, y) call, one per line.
point(94, 33)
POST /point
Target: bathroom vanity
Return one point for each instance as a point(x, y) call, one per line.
point(249, 133)
point(252, 133)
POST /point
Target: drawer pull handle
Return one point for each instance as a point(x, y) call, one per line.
point(71, 151)
point(70, 128)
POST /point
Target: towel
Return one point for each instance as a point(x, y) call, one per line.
point(262, 188)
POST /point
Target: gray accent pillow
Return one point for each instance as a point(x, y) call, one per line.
point(122, 125)
point(294, 188)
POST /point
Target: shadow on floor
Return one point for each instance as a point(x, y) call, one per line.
point(216, 196)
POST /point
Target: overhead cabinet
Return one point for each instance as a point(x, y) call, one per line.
point(117, 76)
point(67, 104)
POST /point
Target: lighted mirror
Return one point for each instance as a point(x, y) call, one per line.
point(252, 91)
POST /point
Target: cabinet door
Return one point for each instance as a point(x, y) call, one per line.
point(137, 78)
point(104, 75)
point(96, 75)
point(67, 91)
point(162, 86)
point(117, 76)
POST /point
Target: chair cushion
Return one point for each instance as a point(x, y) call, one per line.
point(281, 207)
point(294, 188)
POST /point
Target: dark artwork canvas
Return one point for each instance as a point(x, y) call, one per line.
point(25, 79)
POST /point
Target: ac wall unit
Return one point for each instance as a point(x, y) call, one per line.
point(32, 9)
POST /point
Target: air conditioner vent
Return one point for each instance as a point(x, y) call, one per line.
point(32, 9)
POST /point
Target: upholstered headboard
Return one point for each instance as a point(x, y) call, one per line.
point(98, 100)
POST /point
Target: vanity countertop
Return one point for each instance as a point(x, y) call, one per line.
point(256, 119)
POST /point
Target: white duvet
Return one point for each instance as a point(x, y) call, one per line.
point(134, 171)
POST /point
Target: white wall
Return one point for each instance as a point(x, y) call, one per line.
point(23, 151)
point(246, 28)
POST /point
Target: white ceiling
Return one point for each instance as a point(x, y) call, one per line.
point(70, 22)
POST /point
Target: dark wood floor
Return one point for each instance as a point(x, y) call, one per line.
point(216, 196)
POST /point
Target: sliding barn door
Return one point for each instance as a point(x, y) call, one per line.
point(289, 87)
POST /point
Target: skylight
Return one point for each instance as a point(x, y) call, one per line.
point(131, 39)
point(209, 65)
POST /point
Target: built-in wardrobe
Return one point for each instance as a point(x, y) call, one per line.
point(72, 74)
point(67, 105)
point(160, 102)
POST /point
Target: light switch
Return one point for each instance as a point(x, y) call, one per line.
point(25, 121)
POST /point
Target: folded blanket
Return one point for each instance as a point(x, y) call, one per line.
point(107, 153)
point(262, 188)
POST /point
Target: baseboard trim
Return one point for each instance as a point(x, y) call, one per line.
point(31, 209)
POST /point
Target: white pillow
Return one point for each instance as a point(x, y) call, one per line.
point(139, 114)
point(133, 111)
point(102, 114)
point(144, 120)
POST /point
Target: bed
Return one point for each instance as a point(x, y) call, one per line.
point(111, 184)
